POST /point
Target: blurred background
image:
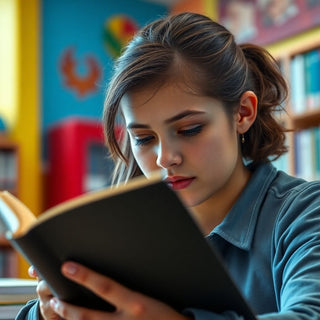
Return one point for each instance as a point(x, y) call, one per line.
point(56, 57)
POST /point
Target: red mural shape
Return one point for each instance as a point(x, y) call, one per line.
point(81, 84)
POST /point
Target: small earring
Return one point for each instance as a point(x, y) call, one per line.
point(243, 140)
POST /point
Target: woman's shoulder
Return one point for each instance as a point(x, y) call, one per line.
point(287, 186)
point(300, 201)
point(288, 198)
point(280, 184)
point(30, 311)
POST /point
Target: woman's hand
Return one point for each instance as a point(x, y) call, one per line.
point(130, 305)
point(45, 295)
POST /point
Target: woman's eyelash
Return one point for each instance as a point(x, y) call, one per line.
point(143, 141)
point(187, 133)
point(192, 131)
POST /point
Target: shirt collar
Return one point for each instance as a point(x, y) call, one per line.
point(239, 225)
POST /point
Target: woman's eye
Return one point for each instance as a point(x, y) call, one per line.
point(191, 131)
point(143, 141)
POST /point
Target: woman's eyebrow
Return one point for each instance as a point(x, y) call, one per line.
point(182, 115)
point(133, 125)
point(176, 117)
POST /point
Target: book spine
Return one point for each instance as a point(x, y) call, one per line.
point(297, 84)
point(308, 80)
point(312, 70)
point(8, 169)
point(307, 153)
point(8, 263)
point(2, 169)
point(11, 264)
point(12, 170)
point(317, 79)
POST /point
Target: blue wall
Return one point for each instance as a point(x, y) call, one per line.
point(79, 24)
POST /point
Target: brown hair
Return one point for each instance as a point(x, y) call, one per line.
point(219, 68)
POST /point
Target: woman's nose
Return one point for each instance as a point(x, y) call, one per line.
point(168, 155)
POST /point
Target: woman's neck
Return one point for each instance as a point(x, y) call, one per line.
point(211, 212)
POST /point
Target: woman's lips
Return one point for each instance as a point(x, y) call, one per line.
point(178, 183)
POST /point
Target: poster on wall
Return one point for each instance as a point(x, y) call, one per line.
point(267, 21)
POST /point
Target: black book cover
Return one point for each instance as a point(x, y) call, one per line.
point(145, 239)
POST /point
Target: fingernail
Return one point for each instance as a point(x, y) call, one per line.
point(70, 268)
point(54, 303)
point(31, 271)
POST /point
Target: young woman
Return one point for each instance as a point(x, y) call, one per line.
point(200, 108)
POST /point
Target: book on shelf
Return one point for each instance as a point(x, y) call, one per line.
point(8, 168)
point(305, 81)
point(14, 293)
point(17, 290)
point(8, 262)
point(297, 84)
point(312, 76)
point(307, 153)
point(139, 234)
point(303, 154)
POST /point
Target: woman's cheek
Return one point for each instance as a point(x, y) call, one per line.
point(145, 161)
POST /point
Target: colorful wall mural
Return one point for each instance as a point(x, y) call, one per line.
point(80, 40)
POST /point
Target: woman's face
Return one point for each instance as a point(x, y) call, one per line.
point(186, 136)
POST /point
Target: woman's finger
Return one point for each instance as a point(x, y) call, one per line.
point(43, 289)
point(70, 312)
point(45, 296)
point(32, 272)
point(129, 304)
point(106, 288)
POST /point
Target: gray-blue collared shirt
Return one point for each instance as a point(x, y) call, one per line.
point(270, 242)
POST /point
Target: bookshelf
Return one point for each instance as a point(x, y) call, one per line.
point(8, 165)
point(301, 67)
point(14, 293)
point(9, 176)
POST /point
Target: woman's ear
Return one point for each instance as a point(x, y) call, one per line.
point(247, 111)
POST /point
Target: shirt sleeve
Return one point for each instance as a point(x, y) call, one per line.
point(30, 311)
point(296, 255)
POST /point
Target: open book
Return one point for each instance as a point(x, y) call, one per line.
point(140, 234)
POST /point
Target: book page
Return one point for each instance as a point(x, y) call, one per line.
point(15, 217)
point(8, 220)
